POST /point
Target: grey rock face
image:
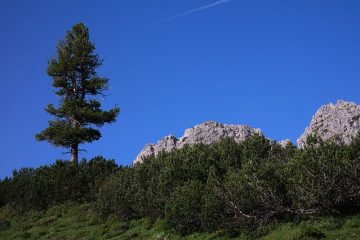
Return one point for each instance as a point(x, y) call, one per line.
point(339, 122)
point(167, 144)
point(285, 142)
point(206, 133)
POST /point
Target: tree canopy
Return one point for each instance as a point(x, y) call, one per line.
point(79, 114)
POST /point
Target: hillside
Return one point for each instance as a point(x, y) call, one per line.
point(80, 222)
point(248, 187)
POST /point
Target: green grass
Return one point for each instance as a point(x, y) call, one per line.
point(71, 221)
point(323, 228)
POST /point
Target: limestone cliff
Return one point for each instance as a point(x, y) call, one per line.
point(206, 133)
point(339, 122)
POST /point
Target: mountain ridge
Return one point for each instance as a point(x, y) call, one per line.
point(207, 133)
point(339, 122)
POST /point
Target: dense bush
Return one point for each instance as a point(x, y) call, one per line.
point(58, 183)
point(183, 210)
point(213, 210)
point(115, 196)
point(245, 185)
point(223, 186)
point(256, 194)
point(325, 177)
point(4, 191)
point(149, 187)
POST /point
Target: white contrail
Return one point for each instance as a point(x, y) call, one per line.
point(192, 11)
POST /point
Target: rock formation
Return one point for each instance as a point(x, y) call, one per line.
point(284, 143)
point(206, 133)
point(339, 122)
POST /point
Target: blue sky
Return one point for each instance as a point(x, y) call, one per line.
point(268, 64)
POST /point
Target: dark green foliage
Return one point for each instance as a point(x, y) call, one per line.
point(255, 194)
point(310, 232)
point(150, 186)
point(325, 177)
point(183, 210)
point(2, 197)
point(77, 84)
point(213, 210)
point(4, 224)
point(245, 186)
point(4, 191)
point(79, 221)
point(256, 148)
point(226, 186)
point(58, 183)
point(115, 195)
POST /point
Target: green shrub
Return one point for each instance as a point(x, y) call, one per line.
point(47, 221)
point(256, 194)
point(4, 224)
point(115, 195)
point(325, 177)
point(183, 211)
point(310, 232)
point(4, 191)
point(226, 186)
point(37, 189)
point(213, 210)
point(25, 235)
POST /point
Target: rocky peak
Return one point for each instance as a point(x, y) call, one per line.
point(339, 122)
point(207, 133)
point(284, 143)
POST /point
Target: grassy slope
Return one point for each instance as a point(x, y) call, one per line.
point(80, 222)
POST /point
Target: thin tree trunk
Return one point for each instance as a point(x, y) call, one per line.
point(75, 153)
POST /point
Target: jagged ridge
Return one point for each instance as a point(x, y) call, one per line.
point(206, 133)
point(339, 122)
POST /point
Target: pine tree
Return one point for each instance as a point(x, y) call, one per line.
point(79, 114)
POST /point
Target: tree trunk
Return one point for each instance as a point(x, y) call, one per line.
point(74, 153)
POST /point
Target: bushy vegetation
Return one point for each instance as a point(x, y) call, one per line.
point(238, 187)
point(80, 221)
point(325, 177)
point(183, 211)
point(227, 187)
point(63, 181)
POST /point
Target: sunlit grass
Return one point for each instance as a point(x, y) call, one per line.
point(71, 221)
